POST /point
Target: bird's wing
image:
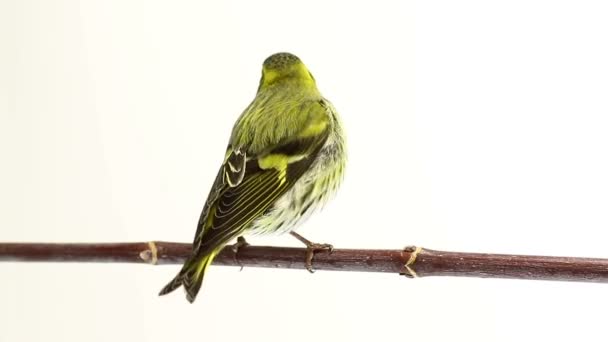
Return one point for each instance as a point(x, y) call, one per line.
point(247, 185)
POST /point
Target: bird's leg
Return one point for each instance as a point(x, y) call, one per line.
point(311, 249)
point(240, 243)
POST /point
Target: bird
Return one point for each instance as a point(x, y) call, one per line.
point(285, 159)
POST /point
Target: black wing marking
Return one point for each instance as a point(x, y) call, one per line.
point(234, 168)
point(231, 208)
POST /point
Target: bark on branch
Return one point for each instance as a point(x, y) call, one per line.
point(411, 262)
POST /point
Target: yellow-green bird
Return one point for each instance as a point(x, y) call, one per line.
point(285, 159)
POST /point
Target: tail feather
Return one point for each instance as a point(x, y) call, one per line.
point(173, 284)
point(191, 277)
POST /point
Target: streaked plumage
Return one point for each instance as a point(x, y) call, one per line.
point(285, 159)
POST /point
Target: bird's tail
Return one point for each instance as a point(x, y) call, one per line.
point(190, 276)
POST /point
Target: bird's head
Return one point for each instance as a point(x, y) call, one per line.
point(285, 67)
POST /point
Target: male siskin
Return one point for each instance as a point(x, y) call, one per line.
point(285, 159)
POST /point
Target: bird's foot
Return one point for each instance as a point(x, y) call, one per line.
point(311, 249)
point(240, 243)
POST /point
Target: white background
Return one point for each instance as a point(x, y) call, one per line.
point(472, 125)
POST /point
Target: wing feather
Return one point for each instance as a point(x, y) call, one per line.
point(248, 185)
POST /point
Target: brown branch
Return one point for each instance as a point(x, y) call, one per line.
point(416, 262)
